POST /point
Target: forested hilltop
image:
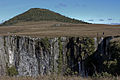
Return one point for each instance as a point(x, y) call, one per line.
point(37, 14)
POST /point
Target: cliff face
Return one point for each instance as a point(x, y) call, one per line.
point(39, 56)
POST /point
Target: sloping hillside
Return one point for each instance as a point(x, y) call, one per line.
point(37, 14)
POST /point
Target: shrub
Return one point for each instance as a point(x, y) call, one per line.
point(45, 43)
point(11, 71)
point(112, 64)
point(60, 58)
point(102, 75)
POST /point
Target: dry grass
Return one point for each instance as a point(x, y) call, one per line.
point(48, 29)
point(55, 78)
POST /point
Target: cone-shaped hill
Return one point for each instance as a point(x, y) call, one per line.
point(37, 14)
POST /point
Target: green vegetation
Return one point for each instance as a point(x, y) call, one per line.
point(45, 43)
point(112, 64)
point(102, 75)
point(87, 46)
point(87, 52)
point(60, 58)
point(79, 49)
point(4, 41)
point(11, 71)
point(37, 14)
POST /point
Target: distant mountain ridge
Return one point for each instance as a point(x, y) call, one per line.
point(37, 14)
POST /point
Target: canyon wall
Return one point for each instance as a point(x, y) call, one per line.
point(27, 56)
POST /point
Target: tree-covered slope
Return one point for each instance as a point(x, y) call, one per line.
point(37, 14)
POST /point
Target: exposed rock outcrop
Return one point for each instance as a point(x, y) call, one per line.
point(40, 56)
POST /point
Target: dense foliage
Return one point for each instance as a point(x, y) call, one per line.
point(79, 50)
point(112, 64)
point(11, 71)
point(37, 14)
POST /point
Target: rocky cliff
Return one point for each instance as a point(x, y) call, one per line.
point(26, 56)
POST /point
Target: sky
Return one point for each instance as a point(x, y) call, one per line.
point(92, 11)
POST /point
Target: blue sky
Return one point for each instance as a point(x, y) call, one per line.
point(93, 11)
